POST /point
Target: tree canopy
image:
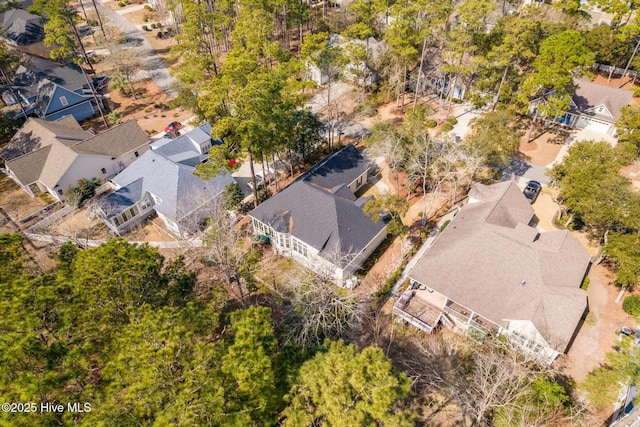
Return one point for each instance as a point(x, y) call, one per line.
point(364, 389)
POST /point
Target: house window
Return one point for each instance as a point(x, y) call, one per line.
point(104, 170)
point(299, 247)
point(144, 204)
point(136, 153)
point(63, 101)
point(284, 241)
point(130, 213)
point(117, 220)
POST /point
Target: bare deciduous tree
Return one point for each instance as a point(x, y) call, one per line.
point(317, 309)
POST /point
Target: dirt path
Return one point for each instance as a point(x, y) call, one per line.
point(594, 341)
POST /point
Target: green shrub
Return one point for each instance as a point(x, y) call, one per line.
point(452, 120)
point(446, 127)
point(431, 123)
point(121, 4)
point(631, 305)
point(145, 28)
point(585, 283)
point(444, 225)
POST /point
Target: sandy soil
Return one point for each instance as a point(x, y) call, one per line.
point(593, 342)
point(633, 173)
point(15, 201)
point(543, 149)
point(151, 108)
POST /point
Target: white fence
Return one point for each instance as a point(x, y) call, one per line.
point(56, 216)
point(616, 71)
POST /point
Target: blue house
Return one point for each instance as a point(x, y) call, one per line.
point(51, 94)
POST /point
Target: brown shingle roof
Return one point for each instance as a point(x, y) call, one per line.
point(64, 141)
point(27, 168)
point(589, 94)
point(508, 271)
point(116, 141)
point(38, 133)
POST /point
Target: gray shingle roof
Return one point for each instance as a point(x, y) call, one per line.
point(320, 210)
point(179, 191)
point(589, 94)
point(185, 148)
point(123, 198)
point(341, 167)
point(21, 26)
point(114, 141)
point(42, 84)
point(28, 168)
point(322, 220)
point(481, 264)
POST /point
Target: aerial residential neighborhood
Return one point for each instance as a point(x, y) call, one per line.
point(319, 213)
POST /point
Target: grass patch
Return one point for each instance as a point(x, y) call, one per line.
point(590, 320)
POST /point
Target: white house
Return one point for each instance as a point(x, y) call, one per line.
point(161, 181)
point(318, 221)
point(489, 272)
point(594, 107)
point(355, 71)
point(51, 157)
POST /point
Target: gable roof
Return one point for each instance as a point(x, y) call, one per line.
point(115, 141)
point(340, 167)
point(185, 148)
point(21, 27)
point(508, 271)
point(179, 191)
point(38, 85)
point(319, 209)
point(43, 150)
point(590, 95)
point(38, 133)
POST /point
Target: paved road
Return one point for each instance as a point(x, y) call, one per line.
point(523, 171)
point(154, 67)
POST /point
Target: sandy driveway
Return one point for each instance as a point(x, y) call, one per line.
point(593, 342)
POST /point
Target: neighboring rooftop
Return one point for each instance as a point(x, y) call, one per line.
point(21, 27)
point(489, 260)
point(45, 150)
point(186, 148)
point(177, 191)
point(590, 94)
point(39, 133)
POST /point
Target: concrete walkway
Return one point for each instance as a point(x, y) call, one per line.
point(154, 68)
